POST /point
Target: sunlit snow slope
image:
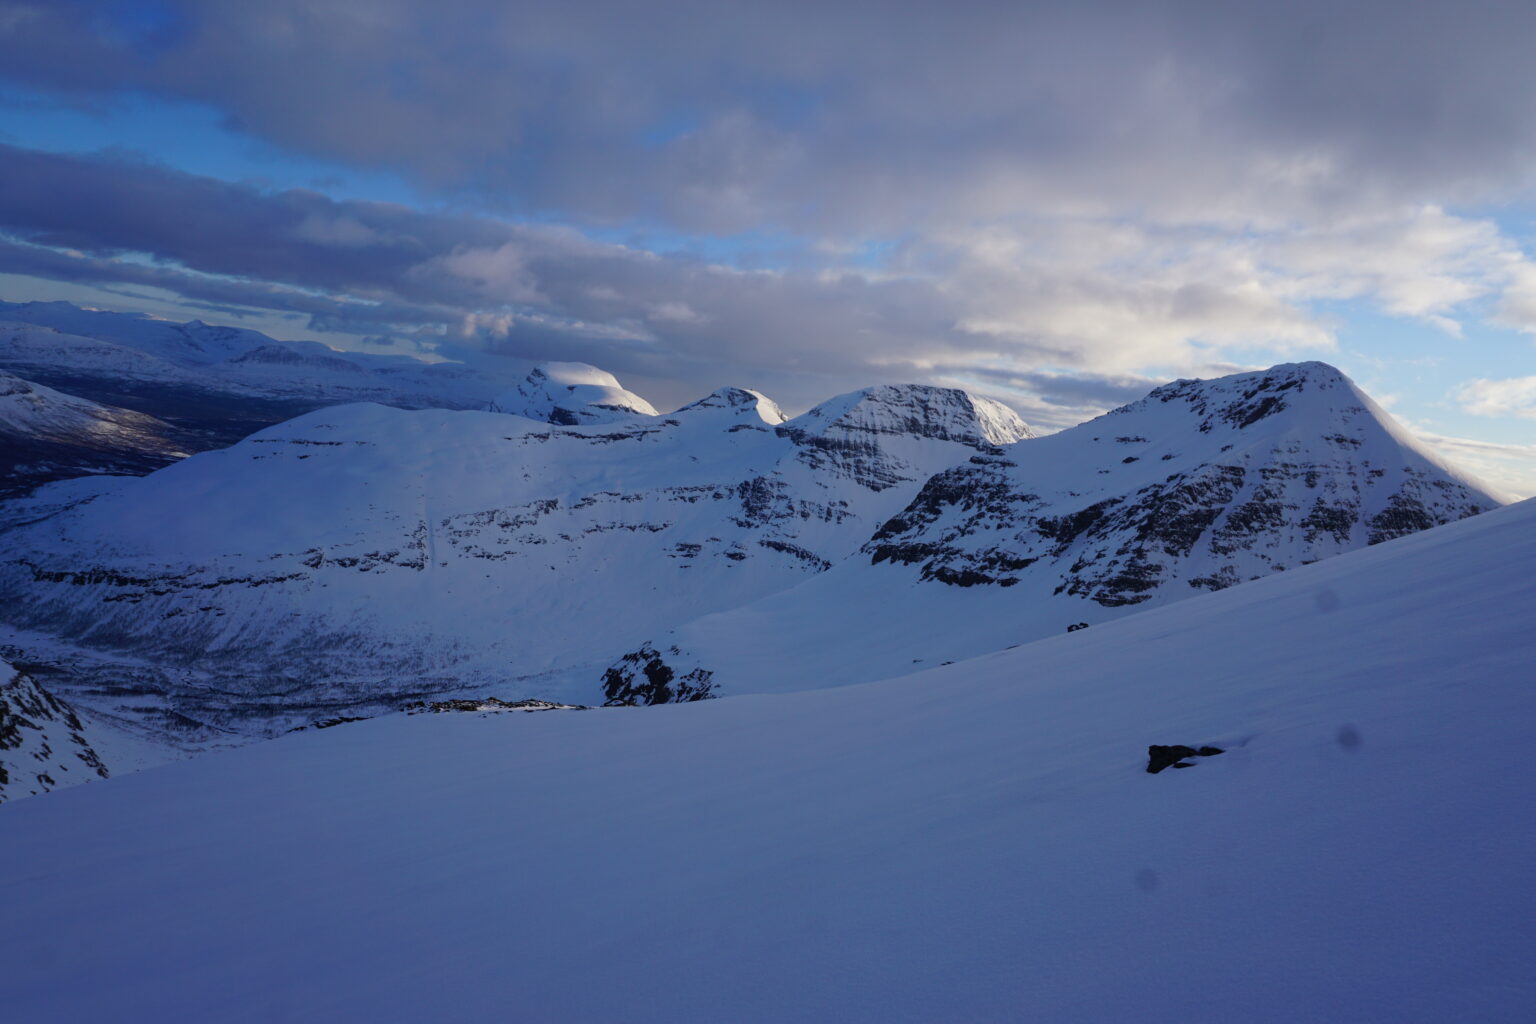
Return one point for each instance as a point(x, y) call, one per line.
point(978, 842)
point(46, 435)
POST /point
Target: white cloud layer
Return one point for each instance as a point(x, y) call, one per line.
point(1515, 396)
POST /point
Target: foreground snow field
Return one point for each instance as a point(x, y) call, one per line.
point(978, 842)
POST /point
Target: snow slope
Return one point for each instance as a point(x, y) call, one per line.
point(977, 842)
point(364, 555)
point(1198, 486)
point(46, 435)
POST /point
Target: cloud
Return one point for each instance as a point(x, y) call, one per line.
point(1515, 396)
point(1039, 299)
point(1509, 469)
point(856, 118)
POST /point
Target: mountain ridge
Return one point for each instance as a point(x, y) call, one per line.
point(1198, 486)
point(363, 555)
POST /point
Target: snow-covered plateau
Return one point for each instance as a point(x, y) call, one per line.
point(976, 842)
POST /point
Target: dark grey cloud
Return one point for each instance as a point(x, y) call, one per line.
point(1069, 390)
point(861, 117)
point(1012, 305)
point(1094, 192)
point(532, 291)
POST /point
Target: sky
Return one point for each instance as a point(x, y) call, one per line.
point(1059, 204)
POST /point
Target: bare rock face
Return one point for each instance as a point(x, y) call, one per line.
point(1176, 755)
point(43, 745)
point(642, 677)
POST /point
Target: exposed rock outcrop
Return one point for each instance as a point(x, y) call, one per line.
point(43, 742)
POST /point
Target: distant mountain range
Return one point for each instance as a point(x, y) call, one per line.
point(591, 551)
point(362, 555)
point(1197, 487)
point(210, 386)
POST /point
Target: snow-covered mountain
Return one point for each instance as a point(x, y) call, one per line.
point(134, 358)
point(43, 742)
point(974, 843)
point(1198, 486)
point(46, 435)
point(362, 555)
point(193, 342)
point(571, 394)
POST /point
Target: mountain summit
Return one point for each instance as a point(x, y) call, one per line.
point(1194, 488)
point(571, 394)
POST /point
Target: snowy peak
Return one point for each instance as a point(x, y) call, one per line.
point(999, 424)
point(910, 410)
point(31, 409)
point(571, 394)
point(1242, 400)
point(360, 553)
point(1204, 482)
point(739, 402)
point(1199, 486)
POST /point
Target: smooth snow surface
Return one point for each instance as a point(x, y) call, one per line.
point(975, 843)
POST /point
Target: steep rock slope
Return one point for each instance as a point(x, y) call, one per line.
point(1198, 486)
point(362, 554)
point(43, 742)
point(46, 435)
point(976, 843)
